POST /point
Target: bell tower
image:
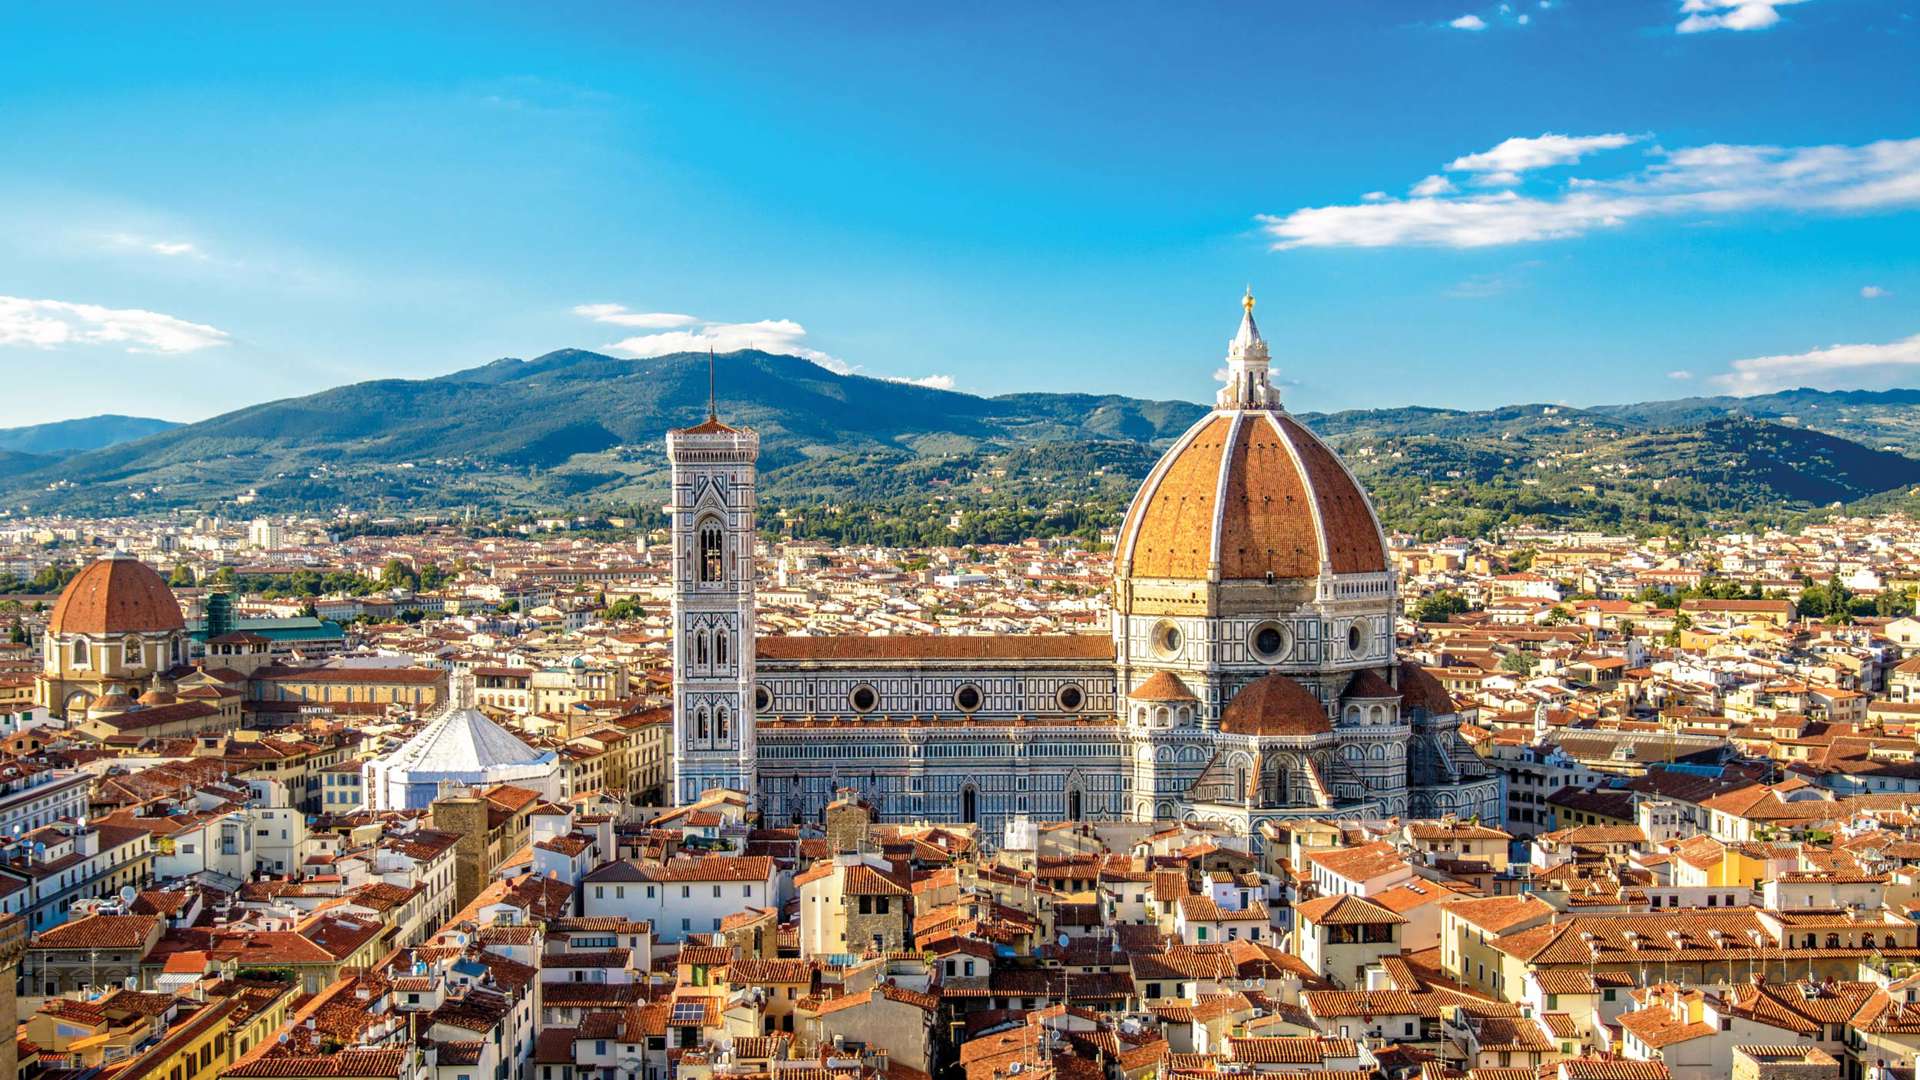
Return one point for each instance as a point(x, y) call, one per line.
point(712, 509)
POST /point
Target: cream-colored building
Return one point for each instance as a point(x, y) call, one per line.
point(115, 626)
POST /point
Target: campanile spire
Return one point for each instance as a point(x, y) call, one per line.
point(1248, 385)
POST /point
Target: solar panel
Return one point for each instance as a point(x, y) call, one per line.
point(689, 1012)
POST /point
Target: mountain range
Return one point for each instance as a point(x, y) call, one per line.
point(580, 430)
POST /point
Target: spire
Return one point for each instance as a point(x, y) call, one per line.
point(1248, 386)
point(712, 413)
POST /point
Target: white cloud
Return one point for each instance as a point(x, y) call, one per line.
point(1469, 22)
point(1834, 367)
point(1517, 155)
point(1681, 375)
point(1873, 292)
point(768, 335)
point(618, 315)
point(1524, 20)
point(1375, 196)
point(49, 324)
point(690, 333)
point(1431, 186)
point(1702, 181)
point(1702, 15)
point(151, 246)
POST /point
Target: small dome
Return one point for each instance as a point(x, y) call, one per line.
point(116, 595)
point(1163, 686)
point(110, 704)
point(1367, 685)
point(1283, 504)
point(1420, 690)
point(1275, 705)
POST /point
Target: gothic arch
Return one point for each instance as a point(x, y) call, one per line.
point(710, 544)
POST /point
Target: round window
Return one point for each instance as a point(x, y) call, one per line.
point(762, 699)
point(1071, 698)
point(967, 698)
point(1269, 642)
point(1166, 638)
point(863, 699)
point(1353, 637)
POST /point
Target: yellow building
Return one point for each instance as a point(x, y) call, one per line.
point(197, 1044)
point(1469, 930)
point(419, 689)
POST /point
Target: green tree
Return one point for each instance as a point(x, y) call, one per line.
point(1894, 603)
point(1518, 663)
point(399, 574)
point(182, 576)
point(1439, 606)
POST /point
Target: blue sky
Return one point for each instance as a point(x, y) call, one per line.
point(1457, 203)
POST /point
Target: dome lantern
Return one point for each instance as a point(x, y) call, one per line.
point(1249, 385)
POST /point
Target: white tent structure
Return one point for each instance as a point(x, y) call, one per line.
point(458, 747)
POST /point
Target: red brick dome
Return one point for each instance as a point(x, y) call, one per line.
point(1275, 705)
point(1246, 493)
point(1419, 689)
point(116, 595)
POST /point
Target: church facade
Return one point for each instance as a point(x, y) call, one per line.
point(1249, 673)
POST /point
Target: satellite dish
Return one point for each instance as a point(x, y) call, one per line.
point(1063, 939)
point(127, 893)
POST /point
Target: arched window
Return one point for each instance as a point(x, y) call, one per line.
point(1833, 941)
point(712, 565)
point(700, 648)
point(720, 647)
point(702, 730)
point(720, 723)
point(131, 654)
point(969, 805)
point(80, 654)
point(1073, 805)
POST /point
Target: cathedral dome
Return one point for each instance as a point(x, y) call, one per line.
point(1282, 505)
point(1275, 705)
point(116, 595)
point(1248, 493)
